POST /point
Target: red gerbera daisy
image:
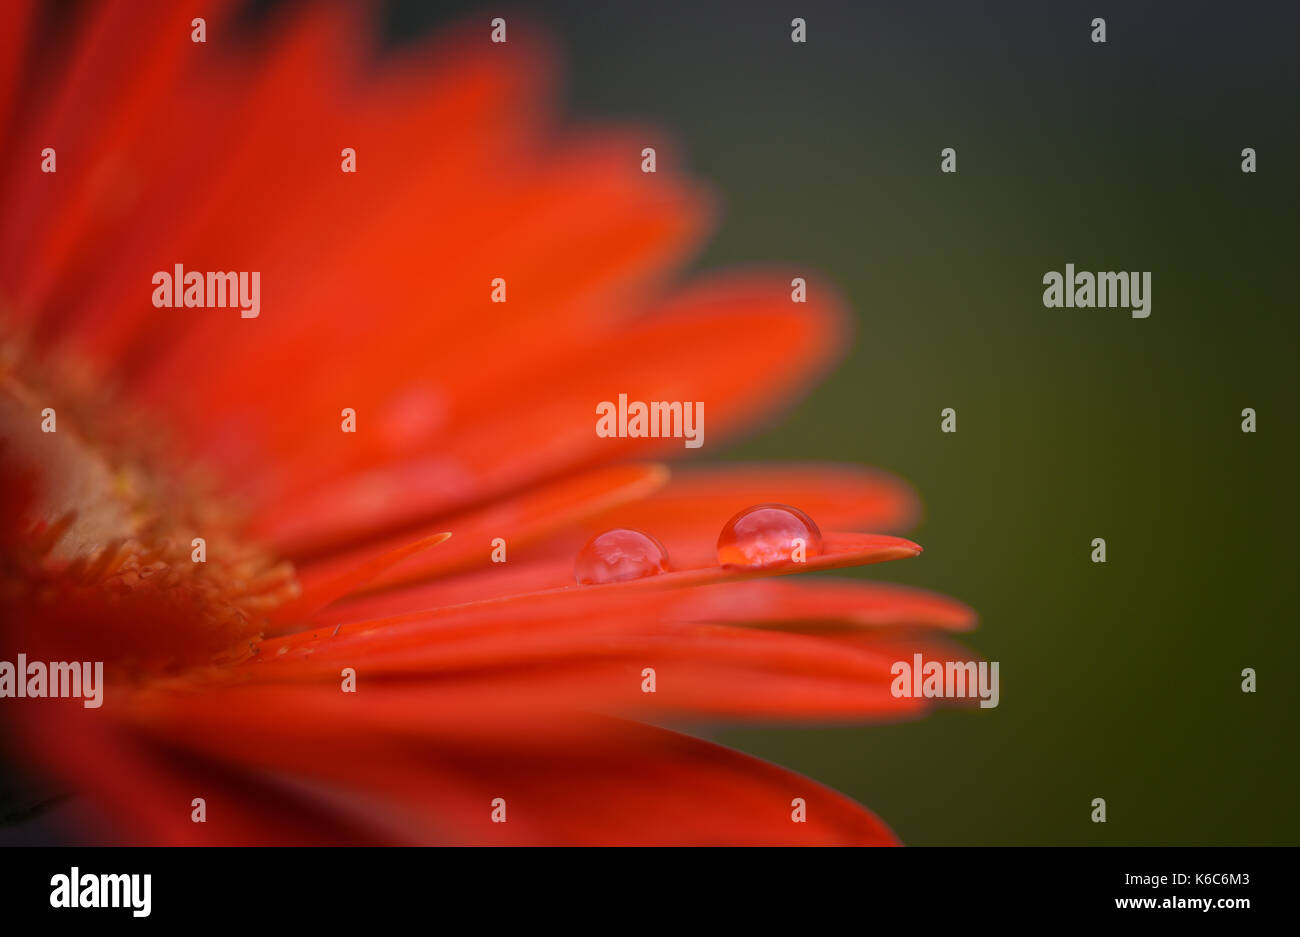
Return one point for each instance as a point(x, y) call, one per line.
point(294, 648)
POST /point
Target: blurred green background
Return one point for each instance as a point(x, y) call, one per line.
point(1120, 680)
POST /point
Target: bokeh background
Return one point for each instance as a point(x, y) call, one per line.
point(1120, 680)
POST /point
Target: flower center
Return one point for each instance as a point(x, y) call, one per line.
point(109, 553)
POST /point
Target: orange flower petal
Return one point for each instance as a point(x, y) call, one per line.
point(327, 585)
point(96, 107)
point(15, 50)
point(503, 441)
point(687, 515)
point(519, 520)
point(576, 236)
point(142, 793)
point(827, 603)
point(839, 550)
point(581, 780)
point(587, 649)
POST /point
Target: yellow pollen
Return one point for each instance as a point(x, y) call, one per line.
point(115, 550)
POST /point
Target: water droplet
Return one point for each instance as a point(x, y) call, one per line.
point(618, 555)
point(766, 535)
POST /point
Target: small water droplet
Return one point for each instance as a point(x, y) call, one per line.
point(766, 535)
point(618, 555)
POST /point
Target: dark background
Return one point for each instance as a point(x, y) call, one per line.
point(1120, 680)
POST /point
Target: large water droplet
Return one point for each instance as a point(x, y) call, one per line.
point(768, 535)
point(618, 555)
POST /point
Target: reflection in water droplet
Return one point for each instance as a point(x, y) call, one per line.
point(768, 535)
point(618, 555)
